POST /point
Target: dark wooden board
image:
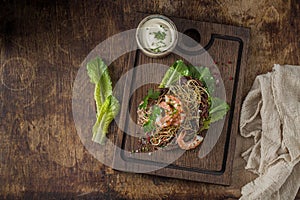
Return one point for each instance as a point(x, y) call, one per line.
point(41, 155)
point(227, 45)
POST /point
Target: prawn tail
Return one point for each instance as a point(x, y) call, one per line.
point(188, 145)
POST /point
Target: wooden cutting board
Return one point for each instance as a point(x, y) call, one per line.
point(227, 45)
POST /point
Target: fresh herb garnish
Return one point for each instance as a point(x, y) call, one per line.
point(160, 35)
point(151, 95)
point(157, 49)
point(150, 124)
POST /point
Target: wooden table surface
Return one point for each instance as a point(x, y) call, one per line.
point(42, 45)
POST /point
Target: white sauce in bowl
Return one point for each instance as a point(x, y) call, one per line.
point(156, 35)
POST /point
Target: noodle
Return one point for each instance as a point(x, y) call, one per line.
point(163, 135)
point(143, 115)
point(192, 96)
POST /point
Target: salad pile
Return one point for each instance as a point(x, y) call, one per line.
point(179, 111)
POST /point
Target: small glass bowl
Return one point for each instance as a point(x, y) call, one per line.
point(156, 36)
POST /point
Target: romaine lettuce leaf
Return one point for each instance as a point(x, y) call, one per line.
point(174, 73)
point(108, 111)
point(217, 109)
point(107, 105)
point(204, 75)
point(98, 73)
point(179, 69)
point(206, 124)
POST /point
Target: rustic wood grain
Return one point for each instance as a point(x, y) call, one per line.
point(42, 44)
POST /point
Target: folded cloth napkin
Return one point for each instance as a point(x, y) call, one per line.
point(271, 115)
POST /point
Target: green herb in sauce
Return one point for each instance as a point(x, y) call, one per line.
point(159, 35)
point(156, 50)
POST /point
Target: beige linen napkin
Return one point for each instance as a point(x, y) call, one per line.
point(271, 115)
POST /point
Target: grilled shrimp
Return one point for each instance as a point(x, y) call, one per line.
point(165, 106)
point(179, 119)
point(188, 145)
point(173, 112)
point(164, 121)
point(174, 101)
point(167, 119)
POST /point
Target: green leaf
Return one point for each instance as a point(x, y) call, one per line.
point(151, 95)
point(156, 111)
point(150, 125)
point(206, 124)
point(177, 70)
point(160, 35)
point(107, 105)
point(108, 111)
point(204, 75)
point(98, 73)
point(218, 109)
